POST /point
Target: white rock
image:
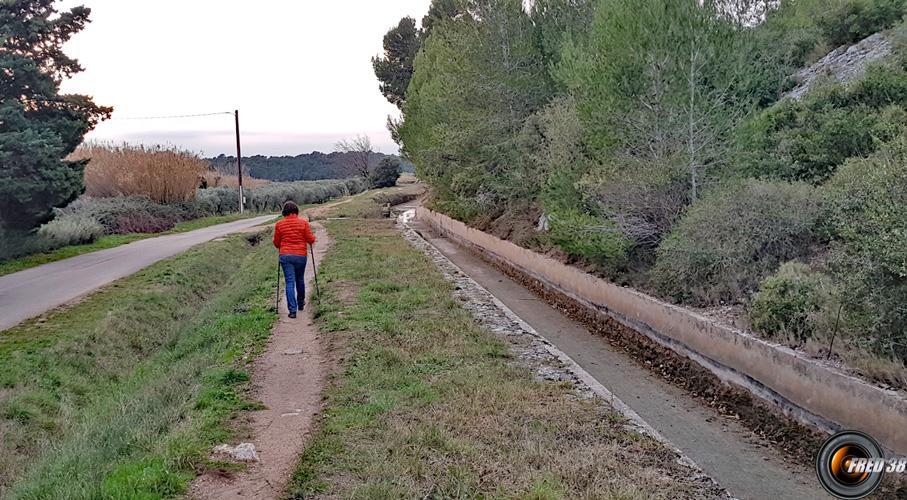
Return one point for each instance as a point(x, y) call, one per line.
point(542, 225)
point(844, 64)
point(244, 452)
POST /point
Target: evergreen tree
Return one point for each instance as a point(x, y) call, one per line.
point(39, 127)
point(477, 78)
point(395, 69)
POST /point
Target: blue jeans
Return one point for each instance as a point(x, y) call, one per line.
point(294, 272)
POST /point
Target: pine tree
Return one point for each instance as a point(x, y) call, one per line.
point(39, 127)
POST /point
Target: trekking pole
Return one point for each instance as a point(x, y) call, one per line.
point(314, 269)
point(277, 298)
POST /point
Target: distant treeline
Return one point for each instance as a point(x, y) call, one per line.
point(304, 167)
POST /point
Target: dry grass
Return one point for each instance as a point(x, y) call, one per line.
point(166, 175)
point(214, 179)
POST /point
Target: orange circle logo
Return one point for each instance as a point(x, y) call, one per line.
point(846, 465)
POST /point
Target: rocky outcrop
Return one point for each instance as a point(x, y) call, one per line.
point(844, 64)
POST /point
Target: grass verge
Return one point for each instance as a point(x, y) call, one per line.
point(123, 394)
point(110, 241)
point(429, 405)
point(371, 203)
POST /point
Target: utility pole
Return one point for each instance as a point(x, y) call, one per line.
point(239, 161)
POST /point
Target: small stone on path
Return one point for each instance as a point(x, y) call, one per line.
point(244, 452)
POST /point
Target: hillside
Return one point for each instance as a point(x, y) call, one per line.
point(303, 167)
point(653, 143)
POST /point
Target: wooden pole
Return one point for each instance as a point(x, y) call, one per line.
point(239, 161)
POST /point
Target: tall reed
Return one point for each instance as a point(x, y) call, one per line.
point(164, 174)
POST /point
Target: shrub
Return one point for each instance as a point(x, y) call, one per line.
point(809, 139)
point(162, 174)
point(642, 198)
point(16, 243)
point(867, 200)
point(587, 237)
point(853, 20)
point(734, 236)
point(218, 200)
point(66, 230)
point(386, 173)
point(789, 301)
point(131, 214)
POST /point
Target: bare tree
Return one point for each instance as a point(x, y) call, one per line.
point(359, 150)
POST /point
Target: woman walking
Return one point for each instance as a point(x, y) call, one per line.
point(291, 235)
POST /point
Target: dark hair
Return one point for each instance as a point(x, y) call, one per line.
point(290, 208)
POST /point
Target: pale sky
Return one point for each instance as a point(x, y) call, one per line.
point(299, 71)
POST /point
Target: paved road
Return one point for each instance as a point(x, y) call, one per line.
point(28, 293)
point(722, 447)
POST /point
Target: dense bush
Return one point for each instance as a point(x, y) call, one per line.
point(643, 199)
point(477, 77)
point(849, 21)
point(733, 237)
point(790, 302)
point(217, 200)
point(16, 243)
point(584, 236)
point(129, 214)
point(808, 139)
point(867, 200)
point(73, 230)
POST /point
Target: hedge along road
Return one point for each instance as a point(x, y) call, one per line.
point(29, 293)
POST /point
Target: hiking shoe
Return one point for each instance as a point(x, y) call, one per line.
point(292, 315)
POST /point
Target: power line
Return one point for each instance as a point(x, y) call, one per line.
point(59, 101)
point(171, 116)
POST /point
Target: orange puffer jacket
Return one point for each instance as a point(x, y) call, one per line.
point(291, 234)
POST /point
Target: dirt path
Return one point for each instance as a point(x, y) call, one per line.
point(722, 447)
point(288, 378)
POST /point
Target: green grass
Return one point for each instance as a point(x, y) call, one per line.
point(123, 394)
point(430, 405)
point(110, 241)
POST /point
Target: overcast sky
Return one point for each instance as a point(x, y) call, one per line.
point(298, 71)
